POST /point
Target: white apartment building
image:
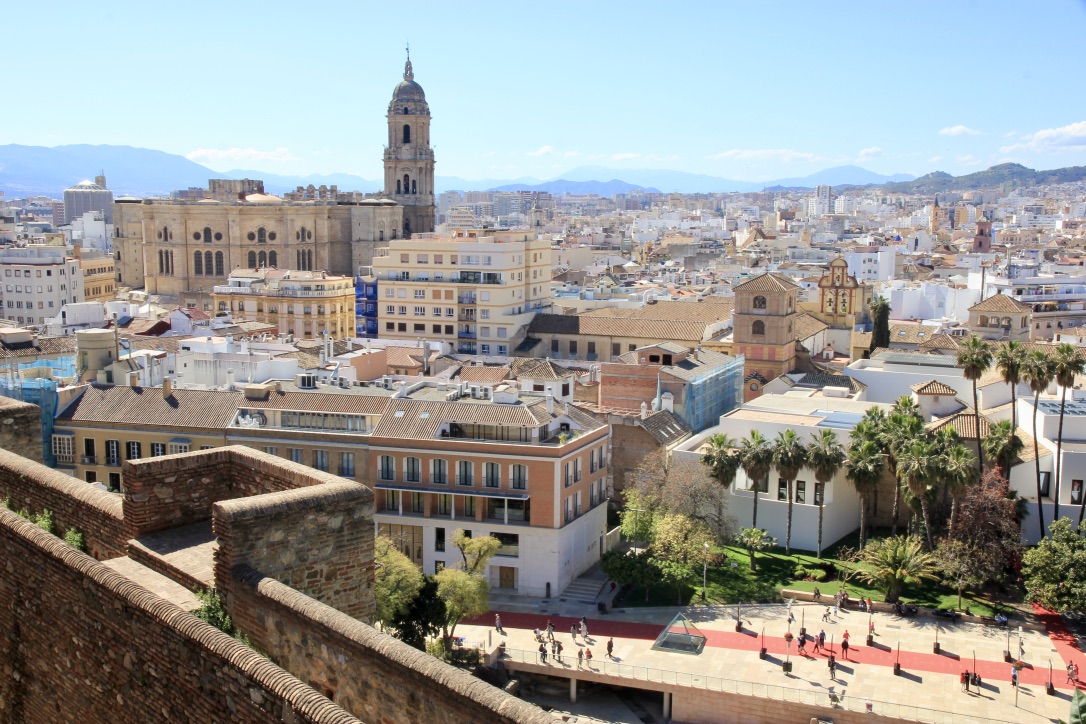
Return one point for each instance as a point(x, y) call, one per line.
point(872, 263)
point(37, 282)
point(477, 290)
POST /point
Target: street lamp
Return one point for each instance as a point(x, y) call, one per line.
point(704, 569)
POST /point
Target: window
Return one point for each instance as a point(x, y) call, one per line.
point(554, 346)
point(484, 349)
point(819, 491)
point(758, 328)
point(219, 264)
point(464, 472)
point(510, 544)
point(469, 509)
point(782, 489)
point(519, 477)
point(412, 470)
point(386, 468)
point(592, 461)
point(616, 349)
point(198, 263)
point(418, 502)
point(63, 448)
point(132, 450)
point(296, 455)
point(420, 294)
point(439, 471)
point(1076, 492)
point(91, 476)
point(439, 535)
point(402, 309)
point(158, 449)
point(492, 476)
point(113, 452)
point(271, 450)
point(759, 302)
point(573, 347)
point(567, 475)
point(450, 312)
point(390, 309)
point(420, 311)
point(484, 313)
point(392, 500)
point(801, 491)
point(576, 470)
point(320, 460)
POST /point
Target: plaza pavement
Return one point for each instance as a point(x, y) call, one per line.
point(928, 688)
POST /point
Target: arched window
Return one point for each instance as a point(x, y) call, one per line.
point(406, 133)
point(207, 234)
point(219, 264)
point(759, 302)
point(273, 259)
point(299, 264)
point(198, 263)
point(406, 111)
point(161, 264)
point(222, 306)
point(261, 236)
point(414, 189)
point(983, 321)
point(208, 266)
point(758, 328)
point(309, 259)
point(263, 259)
point(406, 184)
point(1006, 321)
point(165, 233)
point(398, 186)
point(406, 229)
point(252, 260)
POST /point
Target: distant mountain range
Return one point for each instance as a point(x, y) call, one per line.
point(38, 170)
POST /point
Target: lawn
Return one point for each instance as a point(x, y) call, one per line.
point(732, 581)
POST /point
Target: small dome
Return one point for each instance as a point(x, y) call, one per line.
point(409, 90)
point(408, 93)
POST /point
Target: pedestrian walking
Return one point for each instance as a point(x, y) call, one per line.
point(580, 657)
point(584, 620)
point(817, 644)
point(584, 631)
point(791, 617)
point(871, 627)
point(610, 647)
point(1071, 673)
point(822, 638)
point(844, 646)
point(802, 646)
point(832, 664)
point(817, 595)
point(870, 605)
point(554, 649)
point(558, 654)
point(573, 632)
point(964, 680)
point(543, 653)
point(588, 657)
point(550, 630)
point(498, 624)
point(826, 615)
point(1014, 676)
point(1074, 672)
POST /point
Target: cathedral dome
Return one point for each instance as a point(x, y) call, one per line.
point(408, 91)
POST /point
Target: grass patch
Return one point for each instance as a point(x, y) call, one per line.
point(734, 582)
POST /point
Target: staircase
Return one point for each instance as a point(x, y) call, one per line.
point(585, 588)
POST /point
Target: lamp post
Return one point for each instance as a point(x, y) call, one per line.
point(704, 569)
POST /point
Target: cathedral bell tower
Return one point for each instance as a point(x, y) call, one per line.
point(409, 161)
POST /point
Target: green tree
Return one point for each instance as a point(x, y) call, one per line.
point(825, 456)
point(475, 552)
point(630, 568)
point(898, 431)
point(683, 485)
point(917, 466)
point(880, 316)
point(864, 469)
point(464, 594)
point(1002, 445)
point(789, 457)
point(1039, 371)
point(673, 573)
point(637, 517)
point(423, 617)
point(1054, 570)
point(960, 566)
point(721, 457)
point(1010, 359)
point(681, 539)
point(1067, 362)
point(396, 580)
point(756, 459)
point(975, 357)
point(959, 472)
point(891, 563)
point(754, 540)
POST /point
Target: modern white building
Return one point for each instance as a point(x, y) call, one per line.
point(872, 263)
point(37, 282)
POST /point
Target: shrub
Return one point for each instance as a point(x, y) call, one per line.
point(800, 573)
point(436, 648)
point(44, 520)
point(74, 538)
point(212, 611)
point(816, 574)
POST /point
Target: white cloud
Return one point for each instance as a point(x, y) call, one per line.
point(239, 155)
point(1010, 134)
point(624, 156)
point(541, 151)
point(868, 153)
point(935, 159)
point(1071, 137)
point(958, 130)
point(784, 155)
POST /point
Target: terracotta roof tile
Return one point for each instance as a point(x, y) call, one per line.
point(933, 387)
point(1000, 303)
point(769, 282)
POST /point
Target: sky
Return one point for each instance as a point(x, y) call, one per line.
point(742, 90)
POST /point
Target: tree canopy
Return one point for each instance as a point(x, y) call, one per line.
point(396, 580)
point(1055, 569)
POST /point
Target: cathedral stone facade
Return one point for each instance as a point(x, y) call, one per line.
point(182, 248)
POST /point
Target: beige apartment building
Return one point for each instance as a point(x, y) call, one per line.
point(303, 303)
point(98, 275)
point(492, 460)
point(478, 290)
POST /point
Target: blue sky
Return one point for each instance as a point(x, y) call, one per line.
point(747, 91)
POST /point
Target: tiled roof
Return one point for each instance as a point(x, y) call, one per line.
point(711, 310)
point(404, 357)
point(1000, 303)
point(539, 369)
point(808, 326)
point(666, 427)
point(40, 347)
point(768, 282)
point(964, 423)
point(941, 341)
point(487, 374)
point(697, 363)
point(409, 419)
point(933, 387)
point(819, 380)
point(145, 406)
point(653, 329)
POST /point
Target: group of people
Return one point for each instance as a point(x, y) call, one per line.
point(970, 678)
point(548, 643)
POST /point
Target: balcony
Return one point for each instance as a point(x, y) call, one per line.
point(466, 299)
point(88, 459)
point(113, 462)
point(465, 334)
point(65, 458)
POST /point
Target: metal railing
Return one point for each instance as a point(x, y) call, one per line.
point(806, 697)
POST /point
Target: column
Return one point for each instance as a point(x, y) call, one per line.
point(573, 691)
point(667, 705)
point(505, 509)
point(452, 506)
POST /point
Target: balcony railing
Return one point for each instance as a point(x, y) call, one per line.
point(88, 459)
point(113, 462)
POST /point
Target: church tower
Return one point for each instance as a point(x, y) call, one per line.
point(982, 241)
point(409, 161)
point(763, 329)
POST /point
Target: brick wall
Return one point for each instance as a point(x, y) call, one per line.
point(20, 428)
point(79, 642)
point(317, 540)
point(342, 658)
point(175, 490)
point(699, 706)
point(34, 487)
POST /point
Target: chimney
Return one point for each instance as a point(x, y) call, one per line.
point(550, 402)
point(644, 411)
point(167, 387)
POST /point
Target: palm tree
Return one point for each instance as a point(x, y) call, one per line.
point(1003, 446)
point(959, 471)
point(756, 459)
point(1039, 371)
point(975, 357)
point(825, 456)
point(917, 466)
point(906, 405)
point(1009, 359)
point(864, 470)
point(721, 456)
point(871, 428)
point(1066, 363)
point(754, 540)
point(891, 563)
point(789, 457)
point(900, 429)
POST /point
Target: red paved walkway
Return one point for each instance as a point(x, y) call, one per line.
point(882, 654)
